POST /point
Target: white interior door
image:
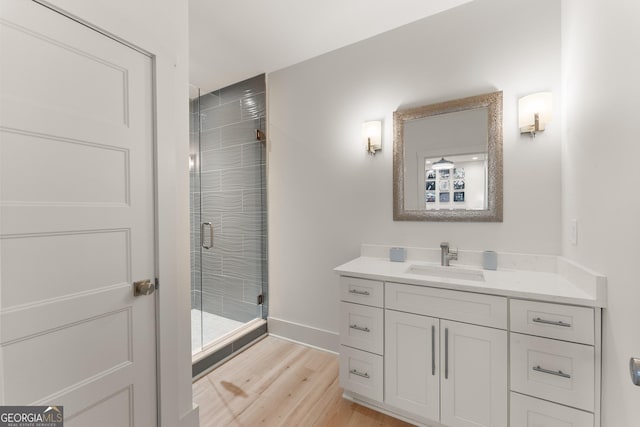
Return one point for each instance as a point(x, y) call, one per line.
point(76, 220)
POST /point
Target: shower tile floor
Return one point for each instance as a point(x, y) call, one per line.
point(214, 328)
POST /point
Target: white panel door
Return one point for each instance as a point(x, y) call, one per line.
point(411, 365)
point(474, 388)
point(76, 220)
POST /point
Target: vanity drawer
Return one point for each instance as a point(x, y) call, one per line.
point(530, 412)
point(563, 322)
point(361, 373)
point(554, 370)
point(362, 327)
point(479, 309)
point(362, 291)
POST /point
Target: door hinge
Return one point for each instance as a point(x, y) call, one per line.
point(260, 299)
point(157, 284)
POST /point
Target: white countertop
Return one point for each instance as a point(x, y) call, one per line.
point(543, 286)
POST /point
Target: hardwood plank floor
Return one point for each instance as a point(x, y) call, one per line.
point(279, 383)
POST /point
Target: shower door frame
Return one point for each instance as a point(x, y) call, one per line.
point(206, 225)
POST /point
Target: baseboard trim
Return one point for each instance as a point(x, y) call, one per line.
point(191, 418)
point(304, 334)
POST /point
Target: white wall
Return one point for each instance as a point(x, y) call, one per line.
point(601, 90)
point(327, 196)
point(160, 28)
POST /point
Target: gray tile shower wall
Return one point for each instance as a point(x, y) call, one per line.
point(232, 174)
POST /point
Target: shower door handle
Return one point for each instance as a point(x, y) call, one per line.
point(202, 238)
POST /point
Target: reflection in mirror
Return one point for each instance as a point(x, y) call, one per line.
point(448, 160)
point(465, 182)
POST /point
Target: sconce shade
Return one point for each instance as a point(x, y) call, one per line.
point(534, 111)
point(442, 164)
point(372, 136)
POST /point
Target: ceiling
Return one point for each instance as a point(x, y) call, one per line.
point(236, 39)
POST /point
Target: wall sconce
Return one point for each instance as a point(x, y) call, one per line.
point(372, 136)
point(534, 111)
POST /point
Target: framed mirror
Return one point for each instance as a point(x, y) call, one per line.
point(447, 161)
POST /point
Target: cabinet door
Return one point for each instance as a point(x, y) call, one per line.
point(411, 364)
point(473, 375)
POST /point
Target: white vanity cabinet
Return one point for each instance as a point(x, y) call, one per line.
point(440, 369)
point(434, 354)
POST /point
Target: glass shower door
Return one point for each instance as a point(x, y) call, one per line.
point(229, 192)
point(194, 219)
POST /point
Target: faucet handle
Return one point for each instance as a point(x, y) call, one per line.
point(444, 245)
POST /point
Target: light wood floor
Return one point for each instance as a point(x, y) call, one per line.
point(279, 383)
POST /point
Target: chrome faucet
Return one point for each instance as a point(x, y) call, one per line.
point(447, 254)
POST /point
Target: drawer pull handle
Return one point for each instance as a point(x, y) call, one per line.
point(552, 322)
point(546, 371)
point(357, 292)
point(360, 374)
point(360, 328)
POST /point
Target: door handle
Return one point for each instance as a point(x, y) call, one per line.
point(433, 350)
point(202, 243)
point(446, 353)
point(634, 367)
point(143, 287)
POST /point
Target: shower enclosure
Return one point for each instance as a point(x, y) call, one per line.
point(228, 217)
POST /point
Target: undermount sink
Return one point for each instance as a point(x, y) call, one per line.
point(448, 272)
